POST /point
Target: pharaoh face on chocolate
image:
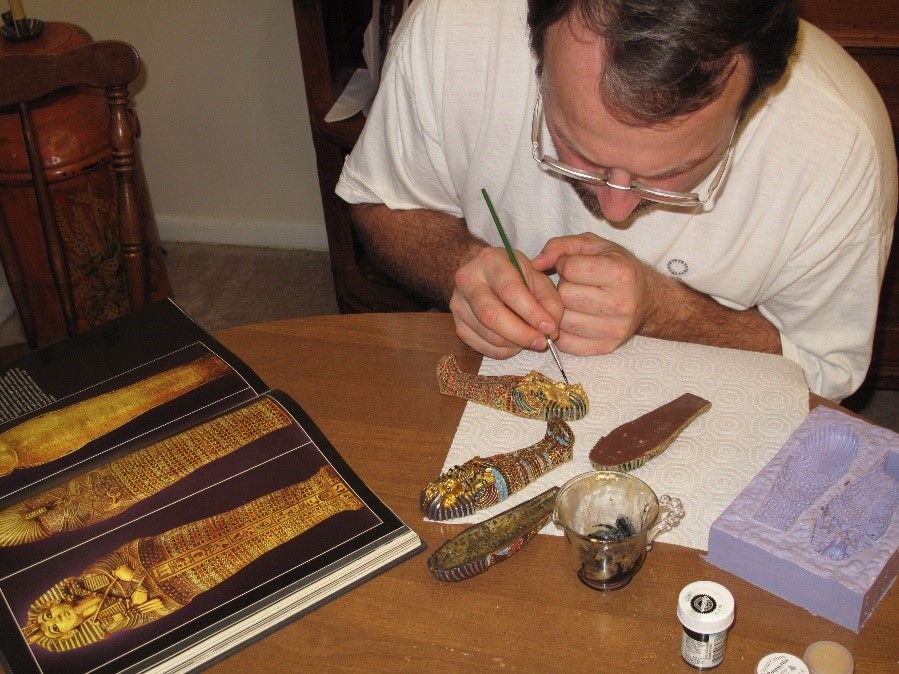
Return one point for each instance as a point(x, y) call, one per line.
point(533, 396)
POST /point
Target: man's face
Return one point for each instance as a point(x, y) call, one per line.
point(675, 155)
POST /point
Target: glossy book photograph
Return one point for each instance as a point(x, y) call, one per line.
point(163, 515)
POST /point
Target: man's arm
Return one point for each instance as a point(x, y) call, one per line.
point(678, 312)
point(610, 295)
point(435, 255)
point(421, 249)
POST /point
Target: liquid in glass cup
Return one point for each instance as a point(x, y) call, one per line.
point(610, 520)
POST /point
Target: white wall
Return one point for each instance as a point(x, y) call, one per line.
point(225, 140)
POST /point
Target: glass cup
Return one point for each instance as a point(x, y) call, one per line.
point(610, 520)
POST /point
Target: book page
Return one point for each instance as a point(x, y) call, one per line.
point(177, 538)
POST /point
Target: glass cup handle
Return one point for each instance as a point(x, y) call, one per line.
point(673, 512)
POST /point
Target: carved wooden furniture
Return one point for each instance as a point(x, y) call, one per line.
point(330, 37)
point(74, 236)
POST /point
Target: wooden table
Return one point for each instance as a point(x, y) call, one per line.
point(368, 381)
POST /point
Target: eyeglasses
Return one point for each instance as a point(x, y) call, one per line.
point(683, 199)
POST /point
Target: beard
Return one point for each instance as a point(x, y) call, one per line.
point(591, 203)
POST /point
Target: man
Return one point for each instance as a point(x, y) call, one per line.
point(682, 179)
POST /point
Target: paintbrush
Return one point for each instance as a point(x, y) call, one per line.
point(511, 254)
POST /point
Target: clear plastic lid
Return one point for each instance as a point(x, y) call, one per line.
point(828, 657)
point(705, 607)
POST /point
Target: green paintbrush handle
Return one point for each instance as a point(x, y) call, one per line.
point(502, 235)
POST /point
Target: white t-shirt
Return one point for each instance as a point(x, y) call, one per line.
point(801, 226)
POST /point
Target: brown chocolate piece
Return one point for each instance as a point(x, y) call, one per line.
point(634, 443)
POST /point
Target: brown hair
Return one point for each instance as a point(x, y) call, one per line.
point(667, 58)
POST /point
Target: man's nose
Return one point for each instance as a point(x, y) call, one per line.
point(615, 200)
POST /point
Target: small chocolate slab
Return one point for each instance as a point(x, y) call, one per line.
point(632, 444)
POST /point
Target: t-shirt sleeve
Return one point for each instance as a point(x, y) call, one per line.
point(399, 159)
point(827, 307)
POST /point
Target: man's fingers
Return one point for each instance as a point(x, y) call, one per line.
point(561, 246)
point(497, 319)
point(548, 296)
point(500, 300)
point(476, 329)
point(485, 342)
point(613, 267)
point(588, 335)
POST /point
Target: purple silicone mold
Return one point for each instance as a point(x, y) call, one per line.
point(818, 525)
point(856, 518)
point(816, 464)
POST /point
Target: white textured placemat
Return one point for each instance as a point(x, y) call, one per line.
point(757, 401)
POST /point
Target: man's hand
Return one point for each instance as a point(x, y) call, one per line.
point(605, 289)
point(605, 294)
point(436, 256)
point(609, 295)
point(495, 313)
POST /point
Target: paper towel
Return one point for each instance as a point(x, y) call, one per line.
point(757, 401)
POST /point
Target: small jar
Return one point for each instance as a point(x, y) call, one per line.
point(706, 611)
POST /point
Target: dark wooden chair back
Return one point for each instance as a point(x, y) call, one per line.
point(330, 40)
point(106, 65)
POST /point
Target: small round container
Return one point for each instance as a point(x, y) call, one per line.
point(828, 657)
point(781, 663)
point(706, 611)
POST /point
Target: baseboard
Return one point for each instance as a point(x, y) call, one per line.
point(265, 234)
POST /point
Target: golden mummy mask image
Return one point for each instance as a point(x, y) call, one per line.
point(110, 490)
point(162, 505)
point(153, 576)
point(57, 433)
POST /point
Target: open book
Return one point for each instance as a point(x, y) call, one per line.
point(159, 506)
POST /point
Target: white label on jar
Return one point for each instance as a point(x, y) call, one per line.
point(781, 663)
point(708, 653)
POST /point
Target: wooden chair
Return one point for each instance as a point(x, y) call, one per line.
point(27, 79)
point(330, 41)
